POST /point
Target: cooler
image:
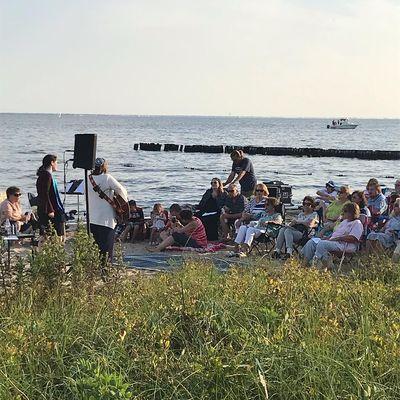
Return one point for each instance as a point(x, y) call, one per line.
point(280, 190)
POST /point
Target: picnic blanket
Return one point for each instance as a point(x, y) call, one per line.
point(211, 248)
point(167, 262)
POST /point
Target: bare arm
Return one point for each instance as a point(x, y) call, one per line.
point(239, 177)
point(230, 178)
point(325, 197)
point(345, 238)
point(188, 229)
point(118, 188)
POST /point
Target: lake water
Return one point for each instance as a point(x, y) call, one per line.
point(169, 177)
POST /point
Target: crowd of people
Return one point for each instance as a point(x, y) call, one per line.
point(237, 211)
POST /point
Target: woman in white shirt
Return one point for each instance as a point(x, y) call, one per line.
point(345, 238)
point(101, 213)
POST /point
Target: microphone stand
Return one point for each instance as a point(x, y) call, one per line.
point(87, 202)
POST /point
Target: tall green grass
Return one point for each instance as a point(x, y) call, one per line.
point(253, 333)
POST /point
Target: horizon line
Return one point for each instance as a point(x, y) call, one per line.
point(191, 115)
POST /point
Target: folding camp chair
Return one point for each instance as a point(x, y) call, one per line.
point(342, 256)
point(307, 235)
point(265, 243)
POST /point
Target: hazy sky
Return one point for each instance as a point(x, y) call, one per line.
point(201, 57)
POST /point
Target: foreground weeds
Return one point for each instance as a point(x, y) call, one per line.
point(251, 333)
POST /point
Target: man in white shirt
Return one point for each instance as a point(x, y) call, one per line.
point(328, 194)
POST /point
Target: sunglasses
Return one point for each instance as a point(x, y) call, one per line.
point(231, 191)
point(17, 194)
point(260, 190)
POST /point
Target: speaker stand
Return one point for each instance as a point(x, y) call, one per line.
point(87, 202)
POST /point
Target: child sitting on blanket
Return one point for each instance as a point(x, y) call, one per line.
point(158, 219)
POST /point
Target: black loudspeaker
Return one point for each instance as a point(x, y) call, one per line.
point(85, 151)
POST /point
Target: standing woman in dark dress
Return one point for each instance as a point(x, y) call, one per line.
point(242, 173)
point(210, 205)
point(50, 207)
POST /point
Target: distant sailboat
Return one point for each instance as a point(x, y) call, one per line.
point(59, 115)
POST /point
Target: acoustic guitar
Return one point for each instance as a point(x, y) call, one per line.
point(120, 206)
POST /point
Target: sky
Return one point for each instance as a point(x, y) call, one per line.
point(286, 58)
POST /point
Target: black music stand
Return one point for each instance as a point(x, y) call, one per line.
point(75, 187)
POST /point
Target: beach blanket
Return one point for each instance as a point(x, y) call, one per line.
point(167, 262)
point(211, 248)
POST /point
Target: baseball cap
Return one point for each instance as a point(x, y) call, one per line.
point(330, 184)
point(99, 162)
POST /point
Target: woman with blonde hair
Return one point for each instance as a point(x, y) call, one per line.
point(255, 207)
point(242, 173)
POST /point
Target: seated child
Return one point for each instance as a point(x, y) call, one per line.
point(158, 220)
point(173, 221)
point(135, 224)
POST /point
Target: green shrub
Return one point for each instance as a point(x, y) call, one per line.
point(251, 333)
point(49, 265)
point(85, 258)
point(93, 384)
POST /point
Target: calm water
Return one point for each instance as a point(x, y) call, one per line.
point(178, 177)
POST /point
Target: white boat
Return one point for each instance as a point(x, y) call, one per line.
point(342, 123)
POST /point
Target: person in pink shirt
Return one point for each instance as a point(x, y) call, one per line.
point(191, 234)
point(344, 239)
point(11, 209)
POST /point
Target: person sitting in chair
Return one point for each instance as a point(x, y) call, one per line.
point(376, 201)
point(388, 235)
point(233, 207)
point(298, 227)
point(247, 233)
point(11, 209)
point(255, 207)
point(344, 239)
point(327, 194)
point(393, 196)
point(333, 212)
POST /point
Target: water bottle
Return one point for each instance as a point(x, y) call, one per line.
point(7, 225)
